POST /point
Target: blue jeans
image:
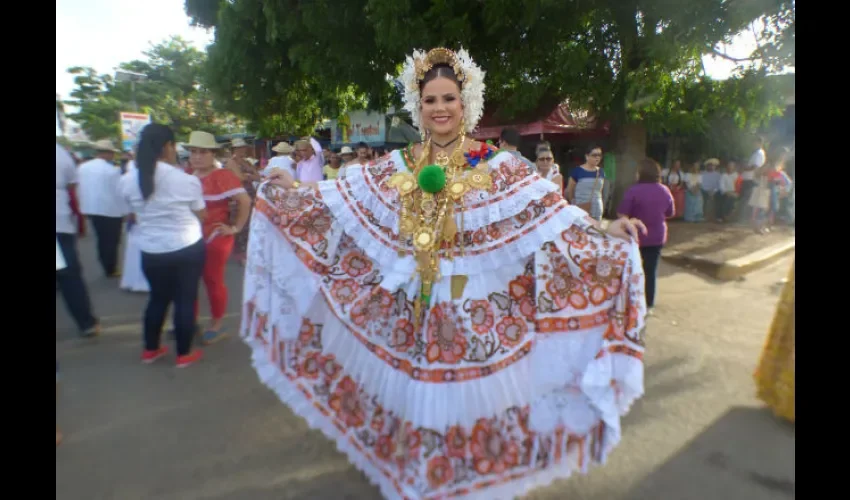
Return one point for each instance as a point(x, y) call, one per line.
point(72, 286)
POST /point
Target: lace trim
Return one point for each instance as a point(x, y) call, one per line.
point(391, 488)
point(284, 291)
point(357, 219)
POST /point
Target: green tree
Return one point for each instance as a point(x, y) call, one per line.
point(174, 93)
point(634, 63)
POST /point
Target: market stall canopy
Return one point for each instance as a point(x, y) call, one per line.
point(562, 120)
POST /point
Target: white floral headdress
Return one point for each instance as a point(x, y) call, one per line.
point(470, 76)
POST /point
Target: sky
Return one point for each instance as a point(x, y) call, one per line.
point(105, 33)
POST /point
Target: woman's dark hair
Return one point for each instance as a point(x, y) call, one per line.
point(436, 71)
point(544, 150)
point(154, 137)
point(591, 147)
point(649, 171)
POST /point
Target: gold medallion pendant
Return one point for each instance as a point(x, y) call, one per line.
point(427, 199)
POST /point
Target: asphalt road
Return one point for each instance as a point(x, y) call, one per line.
point(214, 432)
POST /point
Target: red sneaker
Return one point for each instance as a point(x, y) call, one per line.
point(189, 359)
point(149, 357)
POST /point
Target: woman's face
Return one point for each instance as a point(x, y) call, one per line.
point(441, 107)
point(594, 157)
point(333, 159)
point(545, 161)
point(677, 165)
point(169, 153)
point(201, 159)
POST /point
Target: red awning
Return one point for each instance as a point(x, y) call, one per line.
point(560, 121)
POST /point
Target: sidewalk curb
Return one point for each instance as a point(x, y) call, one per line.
point(733, 269)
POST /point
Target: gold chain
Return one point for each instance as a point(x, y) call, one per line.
point(428, 219)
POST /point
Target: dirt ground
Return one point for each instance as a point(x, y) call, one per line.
point(720, 242)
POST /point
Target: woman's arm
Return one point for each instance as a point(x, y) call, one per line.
point(557, 179)
point(243, 211)
point(571, 190)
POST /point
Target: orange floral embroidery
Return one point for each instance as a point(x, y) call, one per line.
point(305, 335)
point(576, 237)
point(356, 264)
point(312, 226)
point(402, 337)
point(345, 291)
point(446, 342)
point(311, 365)
point(456, 442)
point(375, 307)
point(521, 290)
point(330, 367)
point(481, 314)
point(565, 288)
point(345, 401)
point(385, 448)
point(492, 452)
point(440, 471)
point(511, 330)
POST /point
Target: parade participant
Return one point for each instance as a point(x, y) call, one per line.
point(775, 374)
point(282, 159)
point(101, 202)
point(442, 314)
point(167, 202)
point(241, 165)
point(70, 222)
point(310, 160)
point(220, 186)
point(587, 182)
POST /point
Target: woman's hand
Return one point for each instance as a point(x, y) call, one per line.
point(626, 228)
point(225, 229)
point(281, 177)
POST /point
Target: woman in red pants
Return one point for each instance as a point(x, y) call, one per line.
point(220, 186)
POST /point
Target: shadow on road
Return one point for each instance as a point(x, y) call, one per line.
point(746, 454)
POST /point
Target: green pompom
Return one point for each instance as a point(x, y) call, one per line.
point(432, 179)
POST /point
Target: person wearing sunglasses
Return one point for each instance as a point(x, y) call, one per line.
point(547, 169)
point(587, 182)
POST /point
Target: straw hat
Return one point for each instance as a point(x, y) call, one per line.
point(283, 148)
point(238, 143)
point(712, 161)
point(346, 150)
point(201, 140)
point(105, 145)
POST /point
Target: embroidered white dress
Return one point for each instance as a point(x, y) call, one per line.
point(520, 381)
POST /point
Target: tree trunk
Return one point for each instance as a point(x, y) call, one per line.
point(629, 148)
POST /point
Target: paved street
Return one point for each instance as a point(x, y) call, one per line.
point(213, 431)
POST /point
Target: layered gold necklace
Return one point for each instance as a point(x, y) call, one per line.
point(428, 196)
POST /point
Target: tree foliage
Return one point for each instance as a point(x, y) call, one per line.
point(174, 93)
point(624, 59)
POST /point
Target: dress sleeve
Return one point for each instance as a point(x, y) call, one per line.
point(227, 184)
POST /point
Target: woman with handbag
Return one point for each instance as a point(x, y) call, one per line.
point(586, 182)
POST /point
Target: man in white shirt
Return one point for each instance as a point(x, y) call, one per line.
point(70, 278)
point(748, 178)
point(283, 160)
point(101, 202)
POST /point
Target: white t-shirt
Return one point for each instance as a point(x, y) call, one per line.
point(66, 174)
point(693, 180)
point(165, 222)
point(727, 182)
point(757, 159)
point(99, 192)
point(282, 162)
